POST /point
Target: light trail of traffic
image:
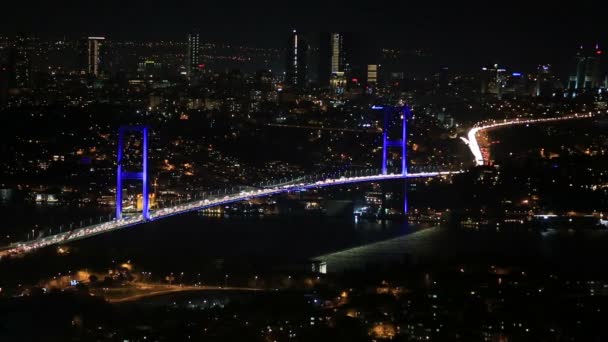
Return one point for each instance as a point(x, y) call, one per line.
point(331, 129)
point(89, 231)
point(472, 135)
point(172, 289)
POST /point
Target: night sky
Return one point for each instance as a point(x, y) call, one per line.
point(466, 34)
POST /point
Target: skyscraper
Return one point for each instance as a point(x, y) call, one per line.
point(337, 53)
point(296, 71)
point(338, 62)
point(332, 59)
point(372, 74)
point(94, 46)
point(194, 53)
point(587, 75)
point(20, 64)
point(347, 58)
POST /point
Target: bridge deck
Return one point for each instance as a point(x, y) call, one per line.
point(92, 230)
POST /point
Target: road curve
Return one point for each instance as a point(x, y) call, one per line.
point(472, 135)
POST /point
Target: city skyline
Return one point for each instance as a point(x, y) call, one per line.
point(512, 33)
point(422, 61)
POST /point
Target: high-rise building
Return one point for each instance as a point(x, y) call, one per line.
point(587, 75)
point(362, 60)
point(332, 59)
point(493, 80)
point(93, 55)
point(372, 74)
point(194, 53)
point(338, 60)
point(20, 66)
point(296, 71)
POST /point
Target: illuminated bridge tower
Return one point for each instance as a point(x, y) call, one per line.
point(399, 143)
point(125, 175)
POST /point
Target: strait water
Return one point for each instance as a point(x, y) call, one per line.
point(248, 245)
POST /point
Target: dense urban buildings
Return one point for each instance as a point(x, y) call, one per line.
point(357, 178)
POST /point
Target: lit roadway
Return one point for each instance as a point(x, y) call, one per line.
point(472, 139)
point(161, 290)
point(331, 129)
point(88, 231)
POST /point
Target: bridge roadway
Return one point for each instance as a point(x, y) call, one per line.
point(472, 135)
point(92, 230)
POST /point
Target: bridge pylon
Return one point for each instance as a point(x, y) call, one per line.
point(129, 175)
point(387, 143)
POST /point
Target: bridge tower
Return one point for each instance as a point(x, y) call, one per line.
point(126, 175)
point(388, 111)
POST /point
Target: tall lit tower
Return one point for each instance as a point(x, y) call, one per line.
point(338, 62)
point(194, 53)
point(94, 45)
point(337, 53)
point(332, 58)
point(296, 70)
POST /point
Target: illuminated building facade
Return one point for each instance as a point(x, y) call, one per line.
point(194, 53)
point(587, 75)
point(337, 53)
point(372, 74)
point(296, 73)
point(94, 46)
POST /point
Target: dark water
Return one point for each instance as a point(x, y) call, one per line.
point(187, 239)
point(20, 217)
point(582, 250)
point(193, 243)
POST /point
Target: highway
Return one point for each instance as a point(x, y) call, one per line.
point(472, 134)
point(212, 201)
point(147, 291)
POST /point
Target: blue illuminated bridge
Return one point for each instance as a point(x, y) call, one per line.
point(206, 200)
point(221, 197)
